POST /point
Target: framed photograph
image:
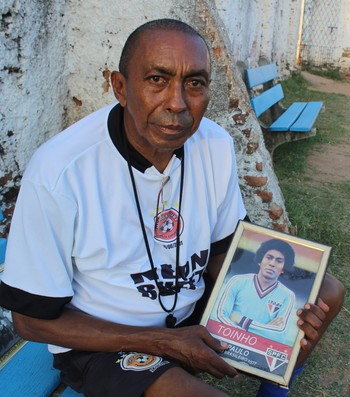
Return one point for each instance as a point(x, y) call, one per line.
point(10, 342)
point(265, 278)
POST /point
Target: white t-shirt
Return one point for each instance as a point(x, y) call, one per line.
point(76, 235)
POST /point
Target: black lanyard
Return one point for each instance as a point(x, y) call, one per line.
point(170, 320)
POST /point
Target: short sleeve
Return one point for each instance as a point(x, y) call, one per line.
point(38, 272)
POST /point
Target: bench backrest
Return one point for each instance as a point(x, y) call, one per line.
point(264, 101)
point(261, 75)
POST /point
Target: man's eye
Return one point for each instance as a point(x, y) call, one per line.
point(157, 79)
point(196, 83)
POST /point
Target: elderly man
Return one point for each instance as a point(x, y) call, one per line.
point(118, 219)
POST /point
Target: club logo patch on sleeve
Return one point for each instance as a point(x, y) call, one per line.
point(140, 361)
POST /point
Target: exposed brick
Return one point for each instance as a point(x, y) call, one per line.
point(275, 211)
point(259, 166)
point(281, 227)
point(6, 178)
point(217, 52)
point(252, 147)
point(12, 193)
point(265, 196)
point(247, 132)
point(240, 118)
point(234, 103)
point(346, 53)
point(256, 181)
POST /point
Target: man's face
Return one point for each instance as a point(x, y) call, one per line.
point(272, 265)
point(166, 91)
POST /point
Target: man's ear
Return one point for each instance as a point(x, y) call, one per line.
point(119, 87)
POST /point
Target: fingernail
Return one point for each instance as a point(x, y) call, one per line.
point(223, 345)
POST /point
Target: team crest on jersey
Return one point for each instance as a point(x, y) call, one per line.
point(166, 224)
point(139, 361)
point(273, 306)
point(275, 358)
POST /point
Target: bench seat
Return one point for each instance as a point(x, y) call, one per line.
point(3, 244)
point(299, 117)
point(30, 373)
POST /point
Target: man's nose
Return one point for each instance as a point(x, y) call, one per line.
point(176, 100)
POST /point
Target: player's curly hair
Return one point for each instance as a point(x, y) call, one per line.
point(278, 245)
point(165, 24)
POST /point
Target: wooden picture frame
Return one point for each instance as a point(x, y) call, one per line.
point(255, 298)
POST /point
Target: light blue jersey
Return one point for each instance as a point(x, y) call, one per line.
point(258, 307)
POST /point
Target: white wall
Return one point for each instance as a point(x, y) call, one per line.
point(57, 57)
point(33, 83)
point(343, 59)
point(267, 29)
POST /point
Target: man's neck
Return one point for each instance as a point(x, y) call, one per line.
point(265, 283)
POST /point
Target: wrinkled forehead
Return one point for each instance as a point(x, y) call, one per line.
point(176, 47)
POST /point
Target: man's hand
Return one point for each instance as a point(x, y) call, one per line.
point(197, 351)
point(311, 318)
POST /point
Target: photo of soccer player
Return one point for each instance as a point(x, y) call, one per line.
point(266, 277)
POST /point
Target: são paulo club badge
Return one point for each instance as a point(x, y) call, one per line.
point(166, 224)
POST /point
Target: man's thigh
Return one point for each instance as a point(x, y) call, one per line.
point(111, 374)
point(178, 383)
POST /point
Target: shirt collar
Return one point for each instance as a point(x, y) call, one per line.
point(117, 133)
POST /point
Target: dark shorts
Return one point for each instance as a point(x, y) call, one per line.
point(116, 374)
point(110, 374)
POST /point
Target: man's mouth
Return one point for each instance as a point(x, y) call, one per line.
point(172, 128)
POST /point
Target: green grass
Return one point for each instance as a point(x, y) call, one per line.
point(333, 74)
point(320, 211)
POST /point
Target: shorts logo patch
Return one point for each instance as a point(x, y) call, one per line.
point(139, 361)
point(166, 224)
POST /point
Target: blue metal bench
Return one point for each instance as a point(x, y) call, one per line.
point(29, 371)
point(279, 124)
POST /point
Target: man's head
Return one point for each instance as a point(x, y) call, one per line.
point(164, 25)
point(274, 257)
point(163, 86)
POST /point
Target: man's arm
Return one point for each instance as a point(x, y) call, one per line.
point(193, 347)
